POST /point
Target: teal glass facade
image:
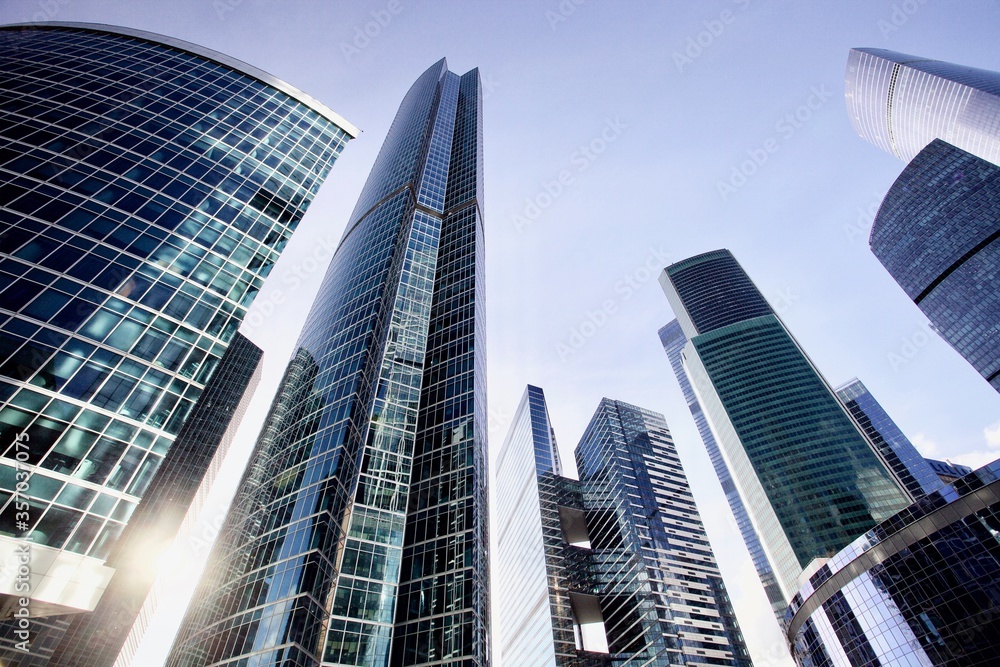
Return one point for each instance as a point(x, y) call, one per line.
point(810, 479)
point(147, 187)
point(359, 533)
point(673, 340)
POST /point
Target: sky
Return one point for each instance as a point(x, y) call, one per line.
point(620, 137)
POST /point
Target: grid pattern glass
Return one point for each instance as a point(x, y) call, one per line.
point(911, 470)
point(929, 596)
point(937, 233)
point(146, 193)
point(358, 536)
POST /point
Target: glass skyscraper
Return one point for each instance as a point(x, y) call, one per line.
point(937, 233)
point(623, 549)
point(901, 103)
point(175, 494)
point(673, 340)
point(808, 478)
point(909, 468)
point(359, 534)
point(147, 186)
point(920, 589)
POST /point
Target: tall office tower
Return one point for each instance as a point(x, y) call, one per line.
point(662, 597)
point(178, 491)
point(613, 569)
point(901, 103)
point(937, 233)
point(921, 588)
point(808, 478)
point(909, 468)
point(545, 591)
point(673, 340)
point(359, 533)
point(148, 186)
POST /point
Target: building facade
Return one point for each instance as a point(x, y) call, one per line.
point(901, 103)
point(546, 593)
point(808, 477)
point(613, 569)
point(673, 340)
point(149, 186)
point(937, 233)
point(921, 589)
point(910, 469)
point(359, 534)
point(947, 471)
point(175, 496)
point(662, 597)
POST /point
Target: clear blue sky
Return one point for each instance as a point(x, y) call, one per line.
point(609, 128)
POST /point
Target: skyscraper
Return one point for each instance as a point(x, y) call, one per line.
point(673, 340)
point(808, 478)
point(148, 186)
point(359, 533)
point(662, 596)
point(906, 464)
point(937, 233)
point(97, 638)
point(546, 589)
point(901, 103)
point(921, 588)
point(622, 549)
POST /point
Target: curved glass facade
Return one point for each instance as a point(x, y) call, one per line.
point(147, 190)
point(809, 478)
point(359, 533)
point(922, 588)
point(937, 233)
point(901, 103)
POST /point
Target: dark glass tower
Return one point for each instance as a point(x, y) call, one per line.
point(617, 561)
point(662, 597)
point(910, 469)
point(937, 233)
point(809, 479)
point(359, 533)
point(147, 187)
point(673, 340)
